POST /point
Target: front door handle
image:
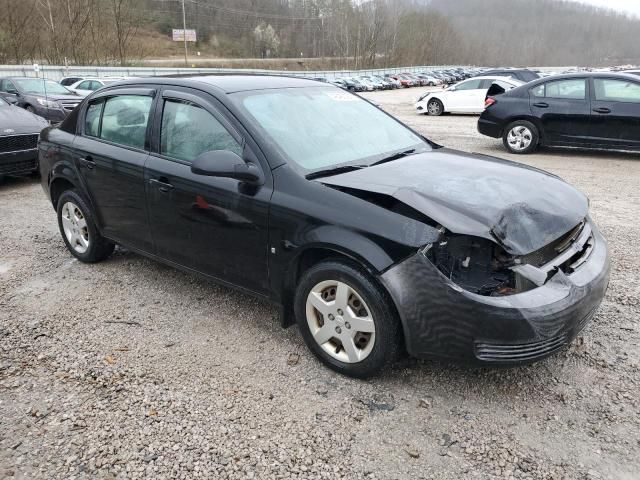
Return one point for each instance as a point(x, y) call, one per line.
point(602, 110)
point(87, 162)
point(541, 105)
point(162, 184)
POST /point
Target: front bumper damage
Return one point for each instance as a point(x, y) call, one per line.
point(440, 319)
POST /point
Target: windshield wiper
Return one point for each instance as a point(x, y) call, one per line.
point(394, 156)
point(333, 171)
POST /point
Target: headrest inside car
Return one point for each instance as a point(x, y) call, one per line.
point(128, 117)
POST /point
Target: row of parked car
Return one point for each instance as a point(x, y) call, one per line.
point(585, 109)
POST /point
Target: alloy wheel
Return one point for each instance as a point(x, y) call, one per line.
point(434, 107)
point(519, 138)
point(75, 227)
point(340, 321)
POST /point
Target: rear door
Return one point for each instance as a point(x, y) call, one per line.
point(615, 117)
point(110, 153)
point(216, 226)
point(563, 109)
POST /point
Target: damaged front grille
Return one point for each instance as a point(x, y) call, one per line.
point(566, 254)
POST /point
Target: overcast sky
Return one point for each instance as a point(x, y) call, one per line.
point(631, 6)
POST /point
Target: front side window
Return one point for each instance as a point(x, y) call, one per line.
point(124, 120)
point(610, 90)
point(189, 130)
point(318, 127)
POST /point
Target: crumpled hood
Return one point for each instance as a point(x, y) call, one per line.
point(520, 207)
point(16, 121)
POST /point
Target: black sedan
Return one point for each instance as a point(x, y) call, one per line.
point(45, 98)
point(19, 132)
point(587, 110)
point(367, 235)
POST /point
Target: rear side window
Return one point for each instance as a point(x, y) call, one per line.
point(86, 85)
point(124, 120)
point(189, 130)
point(470, 85)
point(92, 119)
point(572, 89)
point(609, 90)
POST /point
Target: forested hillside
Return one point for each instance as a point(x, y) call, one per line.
point(355, 33)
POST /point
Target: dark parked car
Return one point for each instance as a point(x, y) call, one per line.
point(19, 132)
point(522, 74)
point(68, 81)
point(45, 98)
point(370, 237)
point(588, 110)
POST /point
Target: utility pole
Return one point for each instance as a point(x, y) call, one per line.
point(184, 33)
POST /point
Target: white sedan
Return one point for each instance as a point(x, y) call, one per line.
point(465, 97)
point(89, 85)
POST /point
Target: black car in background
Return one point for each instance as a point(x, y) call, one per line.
point(19, 132)
point(372, 238)
point(45, 98)
point(588, 110)
point(523, 74)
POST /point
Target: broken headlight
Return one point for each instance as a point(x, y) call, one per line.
point(475, 264)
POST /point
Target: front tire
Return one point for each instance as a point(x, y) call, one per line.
point(346, 319)
point(30, 109)
point(521, 137)
point(79, 231)
point(435, 108)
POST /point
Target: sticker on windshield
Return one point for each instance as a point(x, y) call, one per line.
point(341, 96)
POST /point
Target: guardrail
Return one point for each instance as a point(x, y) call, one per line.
point(58, 72)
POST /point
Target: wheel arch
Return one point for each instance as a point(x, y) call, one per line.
point(528, 118)
point(313, 254)
point(57, 187)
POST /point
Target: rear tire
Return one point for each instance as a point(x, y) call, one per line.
point(30, 109)
point(521, 137)
point(346, 319)
point(79, 231)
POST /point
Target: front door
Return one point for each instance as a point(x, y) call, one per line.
point(615, 116)
point(216, 226)
point(110, 153)
point(465, 97)
point(563, 108)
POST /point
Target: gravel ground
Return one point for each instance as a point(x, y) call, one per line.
point(129, 369)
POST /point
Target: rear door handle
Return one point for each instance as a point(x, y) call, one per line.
point(87, 162)
point(541, 105)
point(163, 186)
point(602, 110)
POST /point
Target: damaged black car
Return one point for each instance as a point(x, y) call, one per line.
point(371, 238)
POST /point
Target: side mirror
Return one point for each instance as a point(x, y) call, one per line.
point(226, 164)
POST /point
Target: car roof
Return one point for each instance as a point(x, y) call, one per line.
point(230, 82)
point(628, 76)
point(490, 77)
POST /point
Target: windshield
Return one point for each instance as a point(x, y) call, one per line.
point(3, 103)
point(39, 86)
point(320, 128)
